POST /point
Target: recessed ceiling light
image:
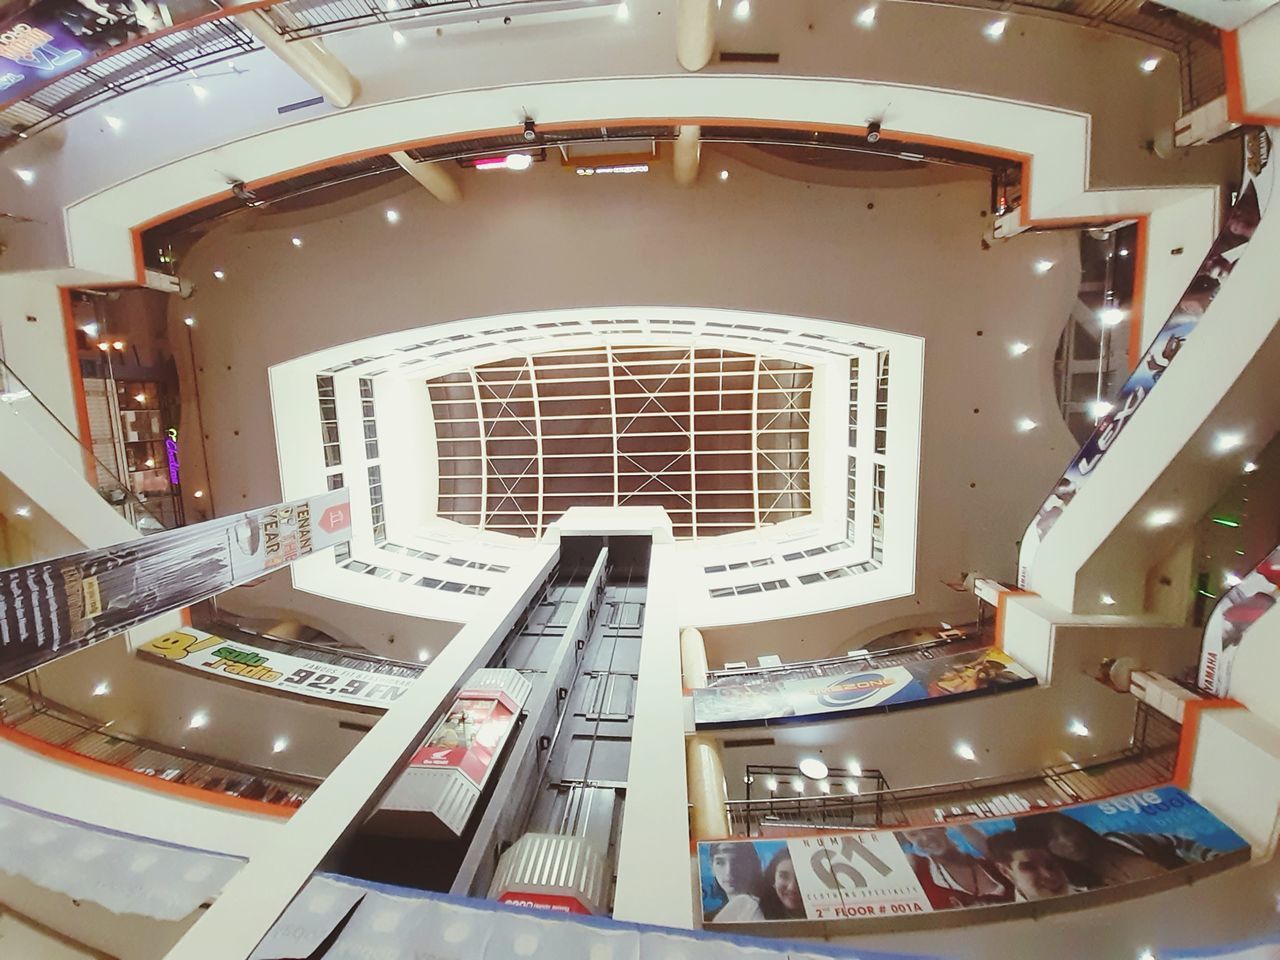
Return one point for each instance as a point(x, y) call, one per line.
point(995, 29)
point(219, 275)
point(1110, 316)
point(280, 745)
point(1043, 266)
point(1026, 424)
point(150, 461)
point(624, 12)
point(824, 786)
point(1077, 728)
point(198, 720)
point(1162, 517)
point(1230, 579)
point(1018, 348)
point(22, 511)
point(854, 768)
point(1146, 955)
point(1149, 65)
point(797, 785)
point(140, 397)
point(851, 786)
point(1250, 467)
point(1227, 441)
point(742, 10)
point(1108, 600)
point(118, 344)
point(813, 768)
point(115, 123)
point(1124, 251)
point(26, 176)
point(198, 494)
point(866, 17)
point(200, 92)
point(102, 689)
point(189, 321)
point(771, 784)
point(965, 752)
point(393, 216)
point(398, 37)
point(724, 175)
point(296, 241)
point(424, 656)
point(1100, 408)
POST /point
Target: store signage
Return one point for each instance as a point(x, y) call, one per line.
point(984, 863)
point(1214, 270)
point(851, 687)
point(171, 452)
point(1238, 610)
point(196, 650)
point(472, 733)
point(55, 606)
point(551, 902)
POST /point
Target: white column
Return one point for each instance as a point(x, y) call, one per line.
point(708, 792)
point(693, 658)
point(433, 176)
point(308, 58)
point(695, 33)
point(688, 155)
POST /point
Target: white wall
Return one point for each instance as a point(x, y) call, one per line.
point(21, 937)
point(1259, 80)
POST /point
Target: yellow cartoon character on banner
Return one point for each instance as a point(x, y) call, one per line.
point(176, 645)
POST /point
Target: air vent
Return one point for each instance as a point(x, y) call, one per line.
point(731, 57)
point(750, 742)
point(348, 725)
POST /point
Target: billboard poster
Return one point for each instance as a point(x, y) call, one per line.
point(42, 41)
point(56, 606)
point(196, 650)
point(1038, 856)
point(1234, 614)
point(1224, 254)
point(471, 734)
point(850, 687)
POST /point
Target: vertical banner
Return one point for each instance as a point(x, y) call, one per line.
point(1222, 258)
point(1237, 611)
point(56, 606)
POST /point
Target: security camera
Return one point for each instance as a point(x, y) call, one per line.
point(873, 131)
point(530, 131)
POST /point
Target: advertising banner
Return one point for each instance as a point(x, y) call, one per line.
point(56, 606)
point(197, 650)
point(1234, 614)
point(1224, 254)
point(849, 687)
point(44, 40)
point(1038, 856)
point(472, 733)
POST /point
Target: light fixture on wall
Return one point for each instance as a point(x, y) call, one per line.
point(813, 768)
point(797, 785)
point(851, 786)
point(854, 768)
point(771, 784)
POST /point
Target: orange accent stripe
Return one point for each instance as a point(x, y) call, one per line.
point(77, 385)
point(1191, 733)
point(1001, 600)
point(1235, 84)
point(187, 792)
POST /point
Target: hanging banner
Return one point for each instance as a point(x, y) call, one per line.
point(56, 606)
point(1034, 857)
point(1224, 254)
point(472, 733)
point(850, 687)
point(196, 650)
point(1237, 611)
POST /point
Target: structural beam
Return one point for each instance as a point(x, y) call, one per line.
point(433, 176)
point(695, 33)
point(688, 155)
point(309, 59)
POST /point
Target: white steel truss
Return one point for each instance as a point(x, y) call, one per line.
point(720, 439)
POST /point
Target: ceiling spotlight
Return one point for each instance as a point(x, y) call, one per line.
point(200, 92)
point(1100, 408)
point(189, 321)
point(1108, 600)
point(280, 745)
point(866, 17)
point(771, 784)
point(851, 786)
point(1077, 728)
point(140, 397)
point(22, 511)
point(1225, 442)
point(873, 131)
point(1042, 266)
point(1018, 348)
point(1146, 955)
point(813, 768)
point(1110, 316)
point(102, 689)
point(518, 161)
point(797, 785)
point(1124, 251)
point(824, 786)
point(198, 494)
point(854, 768)
point(1026, 424)
point(965, 752)
point(724, 175)
point(624, 12)
point(200, 719)
point(1250, 467)
point(117, 344)
point(26, 176)
point(995, 29)
point(398, 37)
point(296, 241)
point(1230, 579)
point(115, 123)
point(393, 216)
point(742, 10)
point(104, 346)
point(1149, 65)
point(1161, 518)
point(424, 656)
point(219, 275)
point(150, 462)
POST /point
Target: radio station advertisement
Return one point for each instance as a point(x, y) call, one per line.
point(194, 649)
point(44, 40)
point(848, 688)
point(55, 606)
point(1226, 251)
point(1039, 856)
point(1237, 611)
point(473, 732)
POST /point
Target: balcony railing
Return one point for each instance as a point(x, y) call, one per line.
point(1147, 762)
point(24, 710)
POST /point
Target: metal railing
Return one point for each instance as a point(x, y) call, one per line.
point(1147, 762)
point(304, 19)
point(23, 709)
point(16, 397)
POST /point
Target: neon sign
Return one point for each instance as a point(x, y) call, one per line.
point(171, 451)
